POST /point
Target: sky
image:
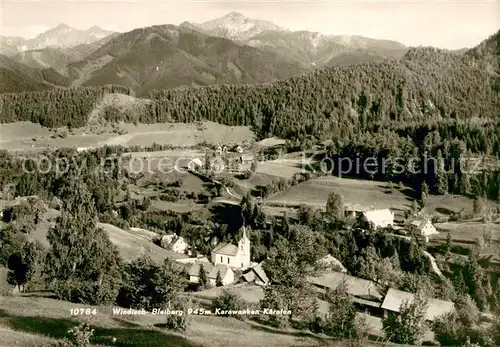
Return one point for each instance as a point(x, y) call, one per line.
point(445, 24)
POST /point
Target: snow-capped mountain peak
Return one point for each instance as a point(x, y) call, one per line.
point(236, 26)
point(61, 36)
point(234, 16)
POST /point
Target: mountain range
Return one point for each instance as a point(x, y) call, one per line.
point(232, 49)
point(305, 47)
point(62, 36)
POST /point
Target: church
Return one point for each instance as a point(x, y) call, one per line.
point(231, 255)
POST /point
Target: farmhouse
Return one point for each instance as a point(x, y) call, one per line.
point(226, 273)
point(366, 294)
point(174, 243)
point(256, 275)
point(354, 210)
point(424, 228)
point(246, 158)
point(378, 218)
point(195, 164)
point(232, 255)
point(435, 308)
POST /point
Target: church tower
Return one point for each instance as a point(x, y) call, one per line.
point(244, 250)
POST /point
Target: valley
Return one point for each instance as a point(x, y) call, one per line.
point(317, 189)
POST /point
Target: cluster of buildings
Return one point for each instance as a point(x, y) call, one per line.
point(226, 261)
point(370, 297)
point(384, 218)
point(235, 155)
point(232, 264)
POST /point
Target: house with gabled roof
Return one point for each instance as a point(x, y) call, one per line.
point(174, 243)
point(366, 295)
point(226, 273)
point(235, 256)
point(195, 164)
point(257, 275)
point(246, 158)
point(435, 307)
point(423, 227)
point(378, 218)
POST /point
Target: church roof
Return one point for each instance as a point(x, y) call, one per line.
point(226, 249)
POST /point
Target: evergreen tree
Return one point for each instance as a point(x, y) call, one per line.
point(292, 260)
point(441, 180)
point(146, 203)
point(22, 265)
point(341, 318)
point(202, 277)
point(335, 205)
point(218, 280)
point(479, 206)
point(448, 245)
point(82, 265)
point(414, 206)
point(147, 285)
point(409, 325)
point(424, 192)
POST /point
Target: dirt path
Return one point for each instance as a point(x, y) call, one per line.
point(433, 263)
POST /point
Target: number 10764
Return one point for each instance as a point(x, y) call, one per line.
point(82, 311)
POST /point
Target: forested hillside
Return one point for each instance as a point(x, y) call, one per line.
point(166, 56)
point(16, 77)
point(427, 87)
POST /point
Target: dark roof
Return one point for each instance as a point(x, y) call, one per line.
point(435, 307)
point(249, 276)
point(367, 302)
point(259, 271)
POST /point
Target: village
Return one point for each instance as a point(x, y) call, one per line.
point(206, 189)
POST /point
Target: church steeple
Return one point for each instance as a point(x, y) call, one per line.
point(244, 249)
point(244, 237)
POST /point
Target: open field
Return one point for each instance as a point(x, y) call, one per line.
point(22, 318)
point(444, 205)
point(284, 168)
point(13, 338)
point(132, 245)
point(178, 207)
point(243, 186)
point(468, 230)
point(25, 136)
point(366, 194)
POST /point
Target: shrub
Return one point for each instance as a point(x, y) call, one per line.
point(228, 301)
point(178, 322)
